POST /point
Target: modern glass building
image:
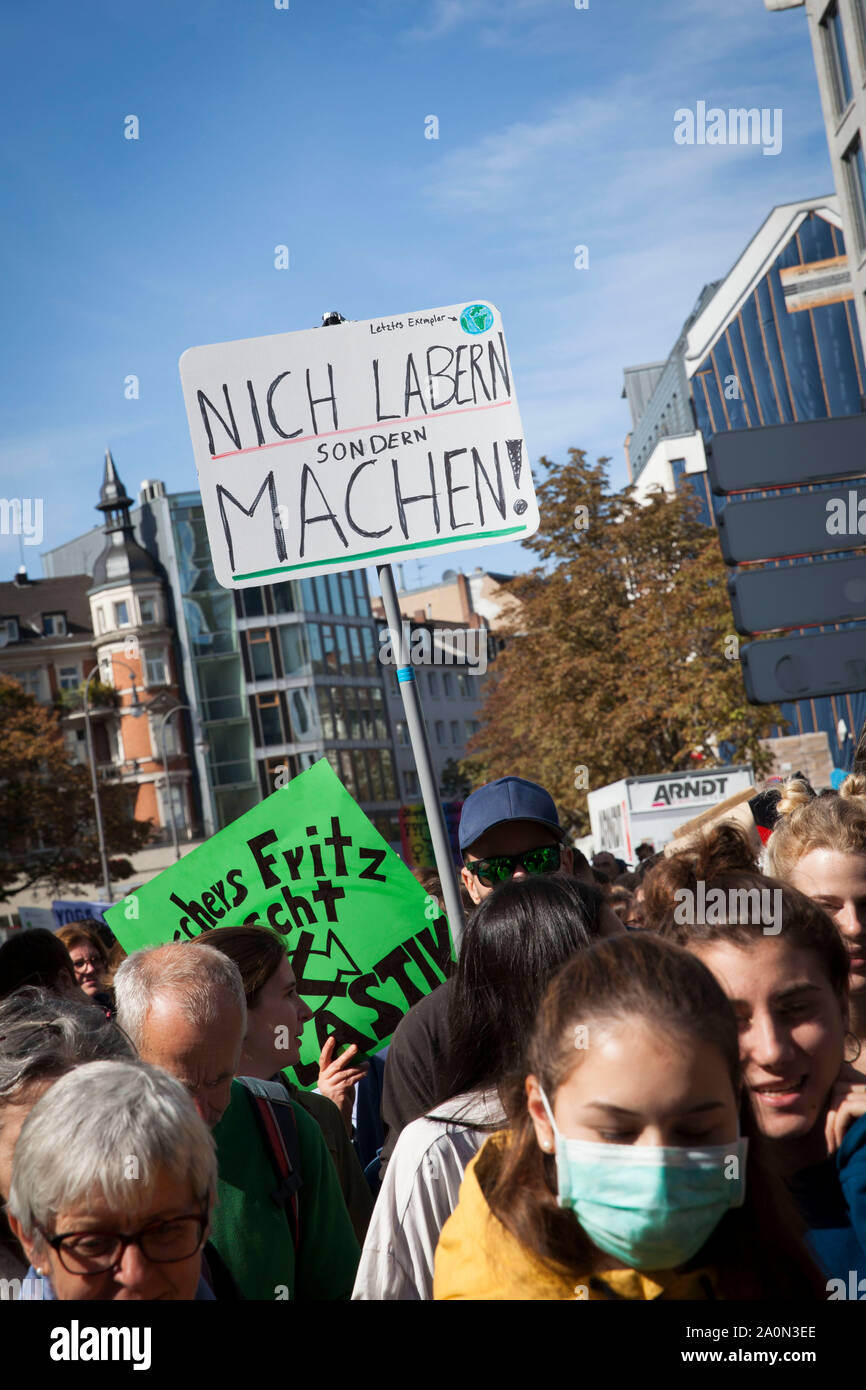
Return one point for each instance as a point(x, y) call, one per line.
point(774, 342)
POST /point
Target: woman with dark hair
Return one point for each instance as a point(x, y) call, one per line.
point(276, 1015)
point(783, 963)
point(624, 1174)
point(514, 943)
point(38, 958)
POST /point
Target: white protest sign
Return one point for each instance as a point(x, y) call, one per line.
point(357, 444)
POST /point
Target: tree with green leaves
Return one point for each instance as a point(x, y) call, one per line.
point(47, 821)
point(454, 784)
point(623, 660)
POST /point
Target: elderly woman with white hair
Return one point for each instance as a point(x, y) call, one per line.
point(42, 1037)
point(113, 1180)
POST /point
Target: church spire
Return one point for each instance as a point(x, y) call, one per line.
point(113, 500)
point(122, 560)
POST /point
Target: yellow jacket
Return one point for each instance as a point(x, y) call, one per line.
point(477, 1258)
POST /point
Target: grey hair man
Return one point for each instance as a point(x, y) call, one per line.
point(186, 1012)
point(113, 1181)
point(43, 1036)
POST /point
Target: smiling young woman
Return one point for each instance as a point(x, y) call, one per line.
point(819, 845)
point(789, 987)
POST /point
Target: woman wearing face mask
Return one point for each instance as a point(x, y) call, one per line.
point(784, 967)
point(624, 1174)
point(515, 943)
point(819, 845)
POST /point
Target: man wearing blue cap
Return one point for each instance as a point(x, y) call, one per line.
point(508, 829)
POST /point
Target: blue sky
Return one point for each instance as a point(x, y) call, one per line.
point(305, 127)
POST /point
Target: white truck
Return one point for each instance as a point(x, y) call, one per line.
point(624, 814)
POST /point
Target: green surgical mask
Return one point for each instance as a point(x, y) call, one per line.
point(651, 1208)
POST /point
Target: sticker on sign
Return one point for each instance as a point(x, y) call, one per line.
point(338, 447)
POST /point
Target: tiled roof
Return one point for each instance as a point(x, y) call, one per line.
point(28, 602)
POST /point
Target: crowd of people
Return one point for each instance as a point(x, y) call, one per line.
point(637, 1082)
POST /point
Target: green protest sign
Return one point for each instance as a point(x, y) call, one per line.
point(365, 940)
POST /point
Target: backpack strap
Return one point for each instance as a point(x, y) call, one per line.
point(273, 1107)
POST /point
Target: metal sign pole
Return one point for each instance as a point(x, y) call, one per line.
point(421, 752)
point(418, 735)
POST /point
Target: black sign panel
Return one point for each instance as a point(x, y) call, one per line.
point(811, 451)
point(803, 523)
point(790, 596)
point(803, 668)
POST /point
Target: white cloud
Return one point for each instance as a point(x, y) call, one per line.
point(601, 168)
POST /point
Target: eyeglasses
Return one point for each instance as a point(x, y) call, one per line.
point(165, 1242)
point(85, 964)
point(499, 867)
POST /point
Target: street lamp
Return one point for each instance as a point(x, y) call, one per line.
point(135, 709)
point(162, 723)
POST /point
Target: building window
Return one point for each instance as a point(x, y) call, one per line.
point(100, 619)
point(340, 730)
point(115, 743)
point(463, 685)
point(455, 730)
point(347, 773)
point(350, 697)
point(371, 662)
point(155, 672)
point(374, 710)
point(296, 658)
point(440, 730)
point(177, 812)
point(362, 777)
point(412, 787)
point(261, 656)
point(305, 722)
point(433, 683)
point(165, 738)
point(106, 670)
point(121, 614)
point(314, 637)
point(377, 781)
point(31, 682)
point(859, 7)
point(279, 772)
point(270, 719)
point(388, 773)
point(54, 624)
point(10, 627)
point(68, 677)
point(402, 732)
point(349, 602)
point(837, 58)
point(367, 717)
point(447, 684)
point(285, 598)
point(344, 658)
point(329, 652)
point(357, 653)
point(253, 603)
point(856, 178)
point(147, 608)
point(472, 727)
